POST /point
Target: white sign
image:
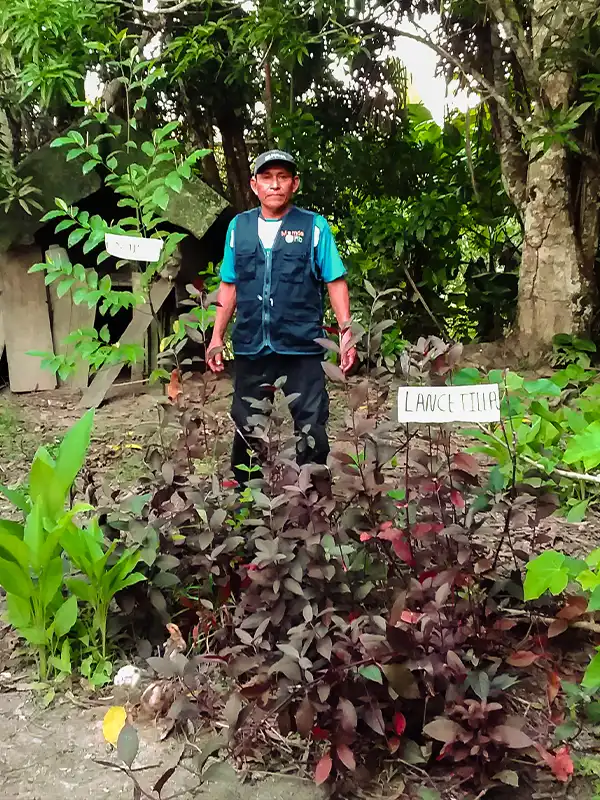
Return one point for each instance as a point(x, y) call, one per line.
point(449, 403)
point(133, 248)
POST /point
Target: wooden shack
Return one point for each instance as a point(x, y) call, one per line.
point(33, 317)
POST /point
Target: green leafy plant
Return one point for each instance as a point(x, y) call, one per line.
point(61, 615)
point(142, 171)
point(567, 349)
point(31, 564)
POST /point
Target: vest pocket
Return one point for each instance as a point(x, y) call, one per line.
point(245, 265)
point(293, 268)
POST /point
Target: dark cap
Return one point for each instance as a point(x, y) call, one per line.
point(274, 157)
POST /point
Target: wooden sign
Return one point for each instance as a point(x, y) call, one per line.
point(432, 404)
point(133, 248)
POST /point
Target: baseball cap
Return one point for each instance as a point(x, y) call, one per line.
point(274, 156)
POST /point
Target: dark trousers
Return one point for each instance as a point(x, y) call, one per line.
point(254, 379)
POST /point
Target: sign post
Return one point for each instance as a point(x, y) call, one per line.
point(440, 404)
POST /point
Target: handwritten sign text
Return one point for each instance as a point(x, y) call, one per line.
point(133, 248)
point(449, 403)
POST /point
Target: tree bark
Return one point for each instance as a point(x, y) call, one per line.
point(236, 159)
point(557, 290)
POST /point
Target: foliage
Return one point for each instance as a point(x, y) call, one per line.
point(553, 572)
point(141, 172)
point(336, 609)
point(548, 432)
point(61, 615)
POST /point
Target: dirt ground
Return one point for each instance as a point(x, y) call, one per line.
point(48, 754)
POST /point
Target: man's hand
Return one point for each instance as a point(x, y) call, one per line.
point(215, 355)
point(348, 351)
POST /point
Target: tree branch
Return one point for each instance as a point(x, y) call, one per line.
point(507, 17)
point(157, 12)
point(470, 74)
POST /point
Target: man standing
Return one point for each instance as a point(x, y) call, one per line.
point(277, 260)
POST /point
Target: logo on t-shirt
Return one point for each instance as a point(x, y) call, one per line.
point(293, 236)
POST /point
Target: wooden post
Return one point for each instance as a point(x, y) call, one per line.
point(24, 307)
point(66, 318)
point(142, 317)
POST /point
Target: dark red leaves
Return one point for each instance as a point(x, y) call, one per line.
point(576, 606)
point(323, 770)
point(305, 717)
point(320, 734)
point(374, 719)
point(552, 687)
point(466, 463)
point(346, 714)
point(399, 723)
point(557, 626)
point(400, 545)
point(522, 658)
point(511, 737)
point(346, 756)
point(457, 500)
point(443, 730)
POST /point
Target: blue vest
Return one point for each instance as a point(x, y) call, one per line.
point(279, 295)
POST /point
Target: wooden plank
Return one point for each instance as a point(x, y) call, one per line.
point(66, 318)
point(2, 338)
point(142, 317)
point(24, 304)
point(137, 369)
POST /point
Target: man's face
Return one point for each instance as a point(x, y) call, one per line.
point(275, 186)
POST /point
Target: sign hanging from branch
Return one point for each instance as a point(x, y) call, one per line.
point(431, 404)
point(133, 248)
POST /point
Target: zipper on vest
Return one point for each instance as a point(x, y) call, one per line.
point(267, 298)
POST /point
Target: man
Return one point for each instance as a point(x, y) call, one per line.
point(277, 260)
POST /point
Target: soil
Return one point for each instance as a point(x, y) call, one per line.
point(50, 752)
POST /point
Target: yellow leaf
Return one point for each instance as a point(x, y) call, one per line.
point(114, 721)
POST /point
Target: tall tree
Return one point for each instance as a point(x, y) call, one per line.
point(535, 64)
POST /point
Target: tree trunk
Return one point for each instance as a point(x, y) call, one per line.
point(236, 159)
point(557, 290)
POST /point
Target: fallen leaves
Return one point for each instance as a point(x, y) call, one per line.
point(113, 723)
point(323, 769)
point(522, 658)
point(560, 762)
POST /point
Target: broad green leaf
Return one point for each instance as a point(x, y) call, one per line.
point(585, 447)
point(468, 376)
point(542, 387)
point(66, 616)
point(34, 536)
point(547, 572)
point(594, 603)
point(161, 197)
point(72, 452)
point(18, 611)
point(130, 580)
point(128, 744)
point(35, 635)
point(371, 673)
point(77, 235)
point(81, 589)
point(13, 548)
point(18, 499)
point(591, 678)
point(174, 182)
point(578, 511)
point(593, 559)
point(14, 580)
point(51, 580)
point(42, 484)
point(588, 580)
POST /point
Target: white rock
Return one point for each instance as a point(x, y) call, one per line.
point(129, 676)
